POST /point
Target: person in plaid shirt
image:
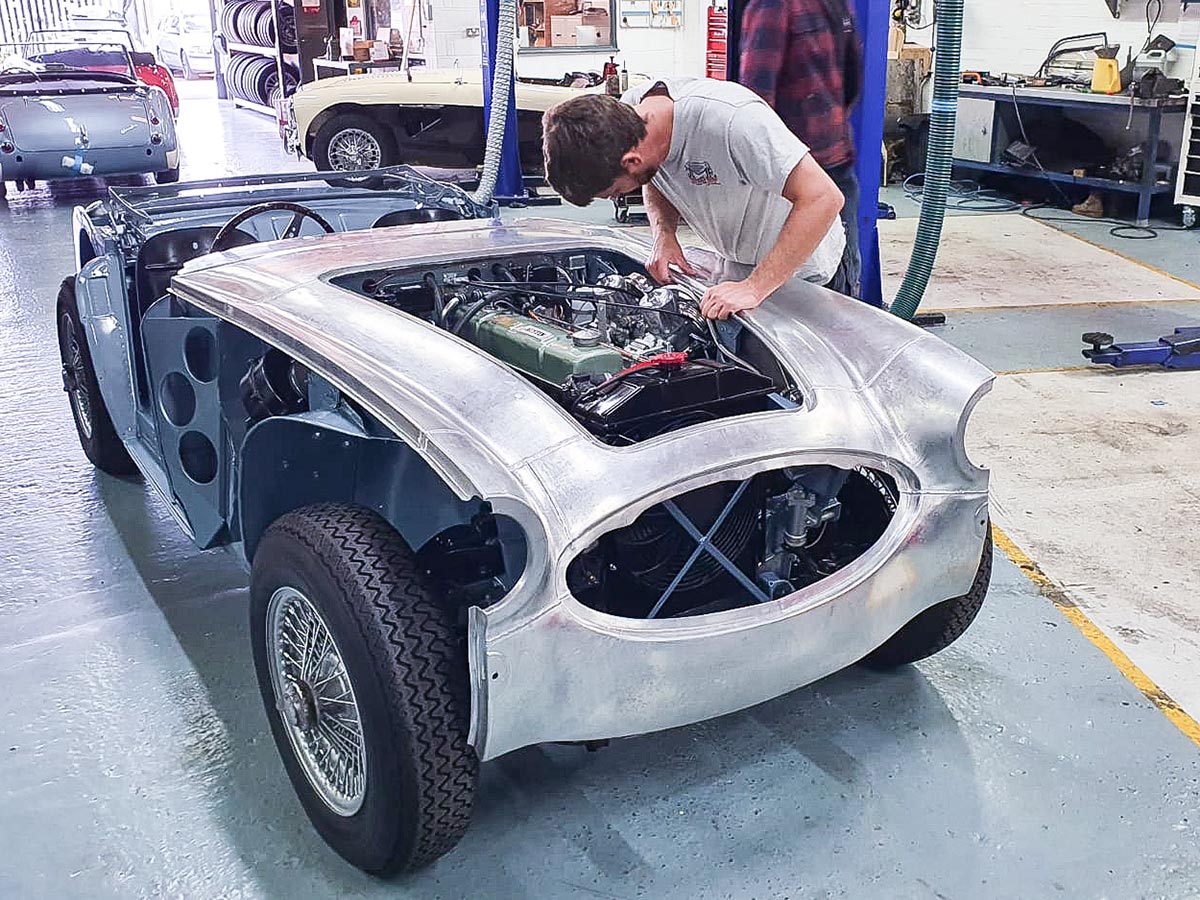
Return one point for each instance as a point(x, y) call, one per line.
point(804, 59)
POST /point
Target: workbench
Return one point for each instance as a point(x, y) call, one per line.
point(983, 136)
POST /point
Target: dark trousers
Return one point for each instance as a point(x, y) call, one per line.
point(848, 279)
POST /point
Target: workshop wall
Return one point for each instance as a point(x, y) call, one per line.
point(653, 51)
point(1015, 36)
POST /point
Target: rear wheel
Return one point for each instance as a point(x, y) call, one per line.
point(939, 626)
point(365, 684)
point(186, 65)
point(353, 142)
point(97, 435)
point(167, 176)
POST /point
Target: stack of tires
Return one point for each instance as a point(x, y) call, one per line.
point(285, 20)
point(251, 22)
point(256, 77)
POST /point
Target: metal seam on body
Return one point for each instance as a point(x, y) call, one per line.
point(1090, 630)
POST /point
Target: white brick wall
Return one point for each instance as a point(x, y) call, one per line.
point(1014, 35)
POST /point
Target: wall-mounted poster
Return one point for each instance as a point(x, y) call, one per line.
point(651, 13)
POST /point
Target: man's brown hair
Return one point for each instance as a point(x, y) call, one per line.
point(583, 142)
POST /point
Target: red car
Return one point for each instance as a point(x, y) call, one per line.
point(145, 66)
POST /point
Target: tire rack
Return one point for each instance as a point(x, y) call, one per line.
point(267, 44)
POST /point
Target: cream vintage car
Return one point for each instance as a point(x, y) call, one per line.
point(434, 118)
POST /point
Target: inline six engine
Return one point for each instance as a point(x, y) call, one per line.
point(628, 359)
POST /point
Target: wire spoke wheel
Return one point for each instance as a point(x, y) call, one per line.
point(353, 149)
point(74, 373)
point(315, 699)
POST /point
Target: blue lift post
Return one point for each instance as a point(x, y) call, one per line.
point(874, 21)
point(510, 184)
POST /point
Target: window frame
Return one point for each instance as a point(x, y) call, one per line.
point(610, 47)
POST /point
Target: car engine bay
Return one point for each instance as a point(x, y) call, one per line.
point(628, 359)
point(631, 360)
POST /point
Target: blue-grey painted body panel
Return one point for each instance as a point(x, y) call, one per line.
point(68, 129)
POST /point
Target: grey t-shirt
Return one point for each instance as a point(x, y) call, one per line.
point(730, 157)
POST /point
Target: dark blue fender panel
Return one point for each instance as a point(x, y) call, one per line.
point(316, 457)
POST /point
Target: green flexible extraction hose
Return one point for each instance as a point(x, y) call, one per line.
point(938, 157)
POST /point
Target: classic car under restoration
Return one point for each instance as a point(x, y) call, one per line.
point(495, 487)
point(145, 67)
point(422, 118)
point(69, 110)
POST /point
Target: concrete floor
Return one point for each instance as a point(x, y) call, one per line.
point(134, 757)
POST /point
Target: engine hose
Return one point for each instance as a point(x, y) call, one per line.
point(439, 300)
point(938, 156)
point(502, 79)
point(470, 312)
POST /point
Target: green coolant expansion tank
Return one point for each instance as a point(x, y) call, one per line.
point(539, 349)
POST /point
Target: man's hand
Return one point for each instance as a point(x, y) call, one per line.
point(724, 299)
point(667, 253)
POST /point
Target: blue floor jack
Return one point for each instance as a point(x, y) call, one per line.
point(1180, 350)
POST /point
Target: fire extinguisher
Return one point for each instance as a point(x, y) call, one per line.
point(612, 78)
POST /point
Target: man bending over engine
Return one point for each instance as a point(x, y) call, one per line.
point(717, 155)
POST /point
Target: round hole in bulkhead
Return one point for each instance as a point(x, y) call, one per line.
point(198, 457)
point(177, 399)
point(200, 354)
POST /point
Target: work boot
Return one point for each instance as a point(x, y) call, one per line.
point(1092, 207)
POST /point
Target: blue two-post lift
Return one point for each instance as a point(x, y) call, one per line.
point(874, 17)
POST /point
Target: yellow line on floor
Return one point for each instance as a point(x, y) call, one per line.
point(1076, 616)
point(1144, 265)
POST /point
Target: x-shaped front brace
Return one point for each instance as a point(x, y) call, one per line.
point(704, 544)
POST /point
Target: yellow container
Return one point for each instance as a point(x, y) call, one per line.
point(1106, 77)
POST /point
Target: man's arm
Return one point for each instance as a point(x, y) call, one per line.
point(763, 47)
point(664, 223)
point(816, 202)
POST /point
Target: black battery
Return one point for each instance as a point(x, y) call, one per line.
point(650, 401)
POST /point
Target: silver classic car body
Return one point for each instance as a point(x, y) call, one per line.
point(878, 392)
point(495, 487)
point(68, 110)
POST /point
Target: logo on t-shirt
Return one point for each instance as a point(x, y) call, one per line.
point(701, 173)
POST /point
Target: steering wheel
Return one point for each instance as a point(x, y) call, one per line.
point(224, 241)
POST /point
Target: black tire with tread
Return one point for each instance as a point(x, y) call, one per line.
point(408, 666)
point(389, 155)
point(104, 448)
point(937, 627)
point(167, 176)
